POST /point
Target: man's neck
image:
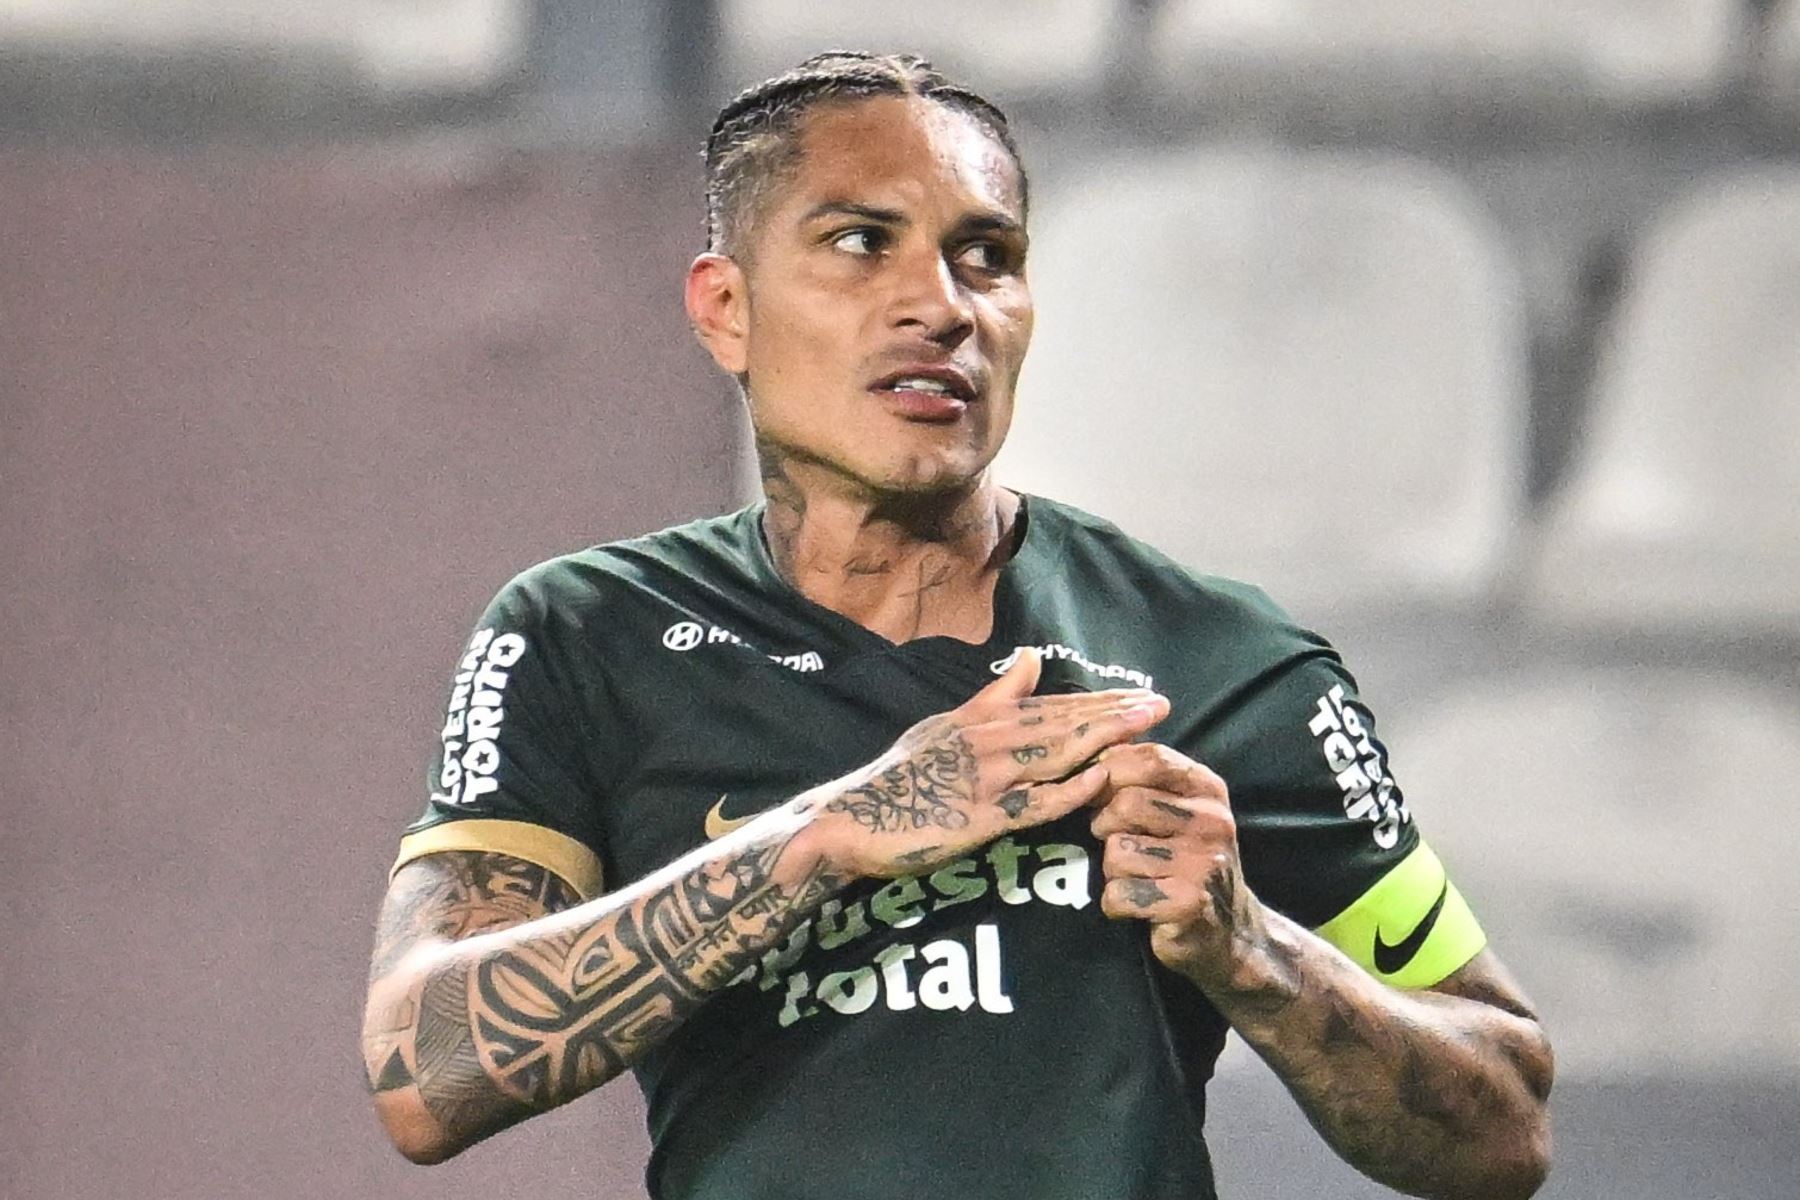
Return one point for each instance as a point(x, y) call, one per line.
point(903, 566)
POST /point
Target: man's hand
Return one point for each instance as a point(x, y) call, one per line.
point(1004, 760)
point(1435, 1094)
point(1172, 860)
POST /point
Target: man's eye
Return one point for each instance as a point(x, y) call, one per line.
point(984, 256)
point(859, 241)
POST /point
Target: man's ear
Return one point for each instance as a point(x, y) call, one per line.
point(718, 305)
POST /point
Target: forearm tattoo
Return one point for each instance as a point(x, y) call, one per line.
point(490, 1037)
point(1420, 1091)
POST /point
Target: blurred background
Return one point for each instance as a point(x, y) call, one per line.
point(1470, 328)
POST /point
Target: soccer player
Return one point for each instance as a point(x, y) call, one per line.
point(906, 835)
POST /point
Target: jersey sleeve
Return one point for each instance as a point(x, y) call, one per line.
point(512, 773)
point(1325, 833)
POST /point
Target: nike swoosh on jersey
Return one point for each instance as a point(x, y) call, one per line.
point(1389, 959)
point(718, 824)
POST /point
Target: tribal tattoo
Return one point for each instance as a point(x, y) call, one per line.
point(493, 1035)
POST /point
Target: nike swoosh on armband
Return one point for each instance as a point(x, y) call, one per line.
point(718, 824)
point(1389, 959)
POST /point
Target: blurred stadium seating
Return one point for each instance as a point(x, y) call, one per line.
point(388, 47)
point(1015, 47)
point(1681, 513)
point(1622, 831)
point(1303, 370)
point(1780, 60)
point(1625, 52)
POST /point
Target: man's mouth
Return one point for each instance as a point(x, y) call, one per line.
point(929, 393)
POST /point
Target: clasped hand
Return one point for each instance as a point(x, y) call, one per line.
point(1009, 759)
point(1171, 858)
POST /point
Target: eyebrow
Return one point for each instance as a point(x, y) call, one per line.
point(849, 208)
point(988, 222)
point(991, 223)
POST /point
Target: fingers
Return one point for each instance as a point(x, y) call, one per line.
point(1165, 899)
point(1153, 812)
point(1151, 765)
point(1048, 743)
point(1132, 854)
point(1016, 682)
point(1044, 739)
point(1113, 724)
point(1035, 803)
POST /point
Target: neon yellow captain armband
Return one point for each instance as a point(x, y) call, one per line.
point(1412, 929)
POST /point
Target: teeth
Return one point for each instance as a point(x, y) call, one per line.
point(915, 384)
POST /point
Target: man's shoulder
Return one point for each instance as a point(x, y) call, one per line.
point(708, 552)
point(1094, 548)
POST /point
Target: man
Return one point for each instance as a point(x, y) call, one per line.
point(906, 835)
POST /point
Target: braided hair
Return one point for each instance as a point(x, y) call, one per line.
point(754, 140)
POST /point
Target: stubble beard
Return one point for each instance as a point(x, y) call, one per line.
point(911, 481)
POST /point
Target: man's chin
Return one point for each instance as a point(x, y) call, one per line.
point(925, 476)
point(916, 473)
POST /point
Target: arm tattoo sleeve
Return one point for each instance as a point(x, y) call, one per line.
point(557, 997)
point(1435, 1093)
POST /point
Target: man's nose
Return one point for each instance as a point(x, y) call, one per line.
point(932, 300)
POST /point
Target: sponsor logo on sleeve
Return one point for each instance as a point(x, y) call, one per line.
point(684, 636)
point(1356, 762)
point(471, 733)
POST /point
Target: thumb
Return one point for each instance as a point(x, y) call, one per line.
point(1018, 681)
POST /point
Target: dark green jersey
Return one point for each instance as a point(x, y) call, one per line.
point(982, 1030)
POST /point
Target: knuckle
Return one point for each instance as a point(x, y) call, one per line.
point(1127, 758)
point(1207, 782)
point(1112, 853)
point(1135, 805)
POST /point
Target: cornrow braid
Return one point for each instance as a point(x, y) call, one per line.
point(753, 142)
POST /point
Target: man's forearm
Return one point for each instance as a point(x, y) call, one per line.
point(1437, 1095)
point(497, 1026)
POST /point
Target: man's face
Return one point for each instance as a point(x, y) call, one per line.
point(887, 313)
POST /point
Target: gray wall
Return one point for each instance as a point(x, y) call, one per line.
point(274, 428)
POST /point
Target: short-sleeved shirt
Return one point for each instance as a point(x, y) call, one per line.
point(982, 1029)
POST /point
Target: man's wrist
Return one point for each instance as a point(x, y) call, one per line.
point(818, 837)
point(1254, 962)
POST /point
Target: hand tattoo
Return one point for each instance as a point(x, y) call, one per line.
point(1148, 849)
point(1143, 892)
point(931, 788)
point(1173, 809)
point(1222, 888)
